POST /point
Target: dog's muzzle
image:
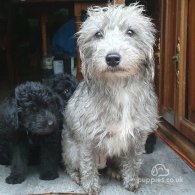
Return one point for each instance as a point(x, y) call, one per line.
point(113, 59)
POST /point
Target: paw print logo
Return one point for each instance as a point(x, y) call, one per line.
point(159, 170)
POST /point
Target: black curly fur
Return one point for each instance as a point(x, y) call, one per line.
point(30, 127)
point(63, 84)
point(150, 143)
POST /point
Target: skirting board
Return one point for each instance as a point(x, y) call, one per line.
point(175, 140)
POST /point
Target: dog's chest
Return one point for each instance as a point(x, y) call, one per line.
point(32, 139)
point(112, 107)
point(113, 130)
point(118, 125)
point(116, 142)
point(122, 98)
point(117, 113)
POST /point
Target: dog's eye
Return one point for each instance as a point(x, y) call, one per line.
point(99, 35)
point(130, 32)
point(66, 91)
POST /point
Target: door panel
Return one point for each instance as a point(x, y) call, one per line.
point(168, 42)
point(177, 77)
point(190, 93)
point(177, 98)
point(187, 68)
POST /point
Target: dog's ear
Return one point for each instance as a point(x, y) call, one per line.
point(150, 51)
point(84, 64)
point(9, 112)
point(150, 65)
point(60, 103)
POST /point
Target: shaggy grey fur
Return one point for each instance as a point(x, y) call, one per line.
point(115, 108)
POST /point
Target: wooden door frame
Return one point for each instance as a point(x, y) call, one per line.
point(174, 136)
point(183, 125)
point(167, 51)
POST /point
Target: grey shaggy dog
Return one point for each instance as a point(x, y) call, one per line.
point(114, 109)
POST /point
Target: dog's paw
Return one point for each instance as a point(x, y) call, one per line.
point(48, 175)
point(15, 179)
point(91, 186)
point(113, 174)
point(131, 185)
point(94, 191)
point(117, 175)
point(149, 149)
point(75, 176)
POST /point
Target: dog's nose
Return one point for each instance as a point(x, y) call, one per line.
point(113, 59)
point(50, 123)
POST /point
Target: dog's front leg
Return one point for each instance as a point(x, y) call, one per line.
point(19, 164)
point(131, 164)
point(49, 158)
point(130, 171)
point(88, 170)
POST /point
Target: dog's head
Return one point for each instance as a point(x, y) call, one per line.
point(35, 108)
point(63, 84)
point(117, 42)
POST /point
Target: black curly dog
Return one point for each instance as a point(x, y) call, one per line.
point(30, 127)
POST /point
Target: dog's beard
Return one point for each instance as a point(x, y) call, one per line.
point(40, 129)
point(40, 124)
